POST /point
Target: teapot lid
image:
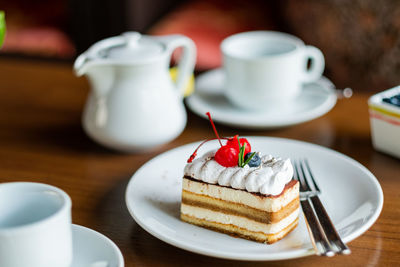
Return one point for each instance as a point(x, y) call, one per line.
point(129, 47)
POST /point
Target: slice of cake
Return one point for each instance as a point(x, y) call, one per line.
point(235, 191)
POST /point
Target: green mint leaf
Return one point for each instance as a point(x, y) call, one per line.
point(241, 156)
point(239, 159)
point(242, 149)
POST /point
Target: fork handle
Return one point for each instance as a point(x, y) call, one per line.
point(318, 240)
point(328, 226)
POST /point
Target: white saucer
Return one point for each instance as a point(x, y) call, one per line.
point(315, 100)
point(92, 249)
point(350, 193)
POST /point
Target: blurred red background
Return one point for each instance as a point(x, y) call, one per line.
point(360, 39)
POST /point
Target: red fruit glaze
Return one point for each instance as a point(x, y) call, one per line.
point(227, 156)
point(233, 142)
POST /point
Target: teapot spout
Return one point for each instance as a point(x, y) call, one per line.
point(81, 65)
point(100, 75)
point(101, 78)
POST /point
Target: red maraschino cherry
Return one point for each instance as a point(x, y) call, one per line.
point(227, 155)
point(233, 142)
point(194, 154)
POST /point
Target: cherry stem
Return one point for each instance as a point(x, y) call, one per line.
point(215, 129)
point(194, 154)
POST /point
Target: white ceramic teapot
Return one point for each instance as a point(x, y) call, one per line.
point(134, 105)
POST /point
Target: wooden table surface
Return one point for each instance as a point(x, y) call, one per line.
point(41, 140)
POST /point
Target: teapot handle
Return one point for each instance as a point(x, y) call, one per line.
point(187, 60)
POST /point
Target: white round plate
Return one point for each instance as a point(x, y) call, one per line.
point(351, 195)
point(315, 100)
point(92, 249)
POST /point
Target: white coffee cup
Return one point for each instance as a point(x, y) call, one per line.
point(266, 68)
point(35, 226)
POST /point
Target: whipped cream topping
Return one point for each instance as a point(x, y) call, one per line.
point(269, 178)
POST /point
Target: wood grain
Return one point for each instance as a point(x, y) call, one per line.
point(41, 140)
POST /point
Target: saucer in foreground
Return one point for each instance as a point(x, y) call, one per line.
point(92, 249)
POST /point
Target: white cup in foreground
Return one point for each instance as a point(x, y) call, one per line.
point(35, 226)
point(265, 68)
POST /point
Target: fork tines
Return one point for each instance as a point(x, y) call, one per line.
point(324, 237)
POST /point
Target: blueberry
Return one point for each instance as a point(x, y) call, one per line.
point(394, 100)
point(387, 100)
point(255, 160)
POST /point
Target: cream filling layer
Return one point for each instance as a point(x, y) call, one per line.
point(270, 204)
point(242, 222)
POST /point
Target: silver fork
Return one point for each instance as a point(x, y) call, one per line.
point(324, 237)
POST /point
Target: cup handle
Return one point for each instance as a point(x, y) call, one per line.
point(187, 60)
point(317, 64)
